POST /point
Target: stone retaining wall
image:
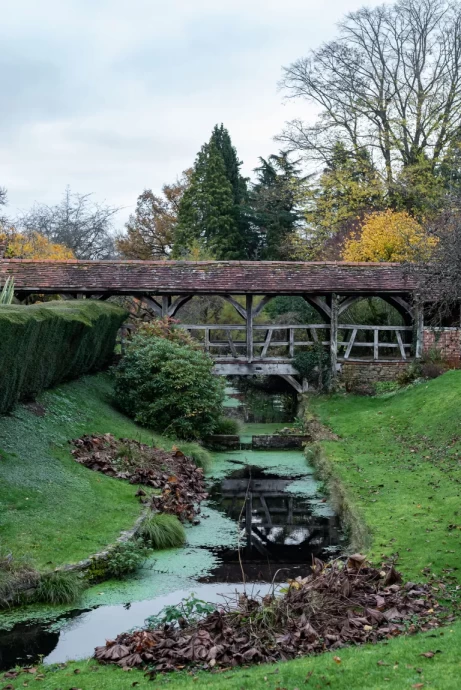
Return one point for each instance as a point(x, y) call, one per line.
point(361, 376)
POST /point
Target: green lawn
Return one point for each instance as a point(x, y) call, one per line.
point(399, 459)
point(394, 666)
point(52, 509)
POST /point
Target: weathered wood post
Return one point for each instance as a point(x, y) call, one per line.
point(334, 339)
point(166, 303)
point(419, 327)
point(249, 325)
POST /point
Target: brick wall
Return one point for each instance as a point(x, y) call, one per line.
point(446, 340)
point(360, 376)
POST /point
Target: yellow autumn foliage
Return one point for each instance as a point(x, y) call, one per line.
point(389, 236)
point(33, 246)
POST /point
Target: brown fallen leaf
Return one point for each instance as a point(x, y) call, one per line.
point(8, 687)
point(418, 685)
point(10, 675)
point(337, 659)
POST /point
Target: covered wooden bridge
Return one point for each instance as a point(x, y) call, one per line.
point(248, 348)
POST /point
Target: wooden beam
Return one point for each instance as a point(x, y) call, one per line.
point(152, 304)
point(259, 307)
point(238, 307)
point(334, 339)
point(350, 344)
point(249, 329)
point(166, 303)
point(419, 326)
point(177, 304)
point(402, 349)
point(319, 304)
point(376, 344)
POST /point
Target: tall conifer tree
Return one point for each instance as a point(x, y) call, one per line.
point(213, 211)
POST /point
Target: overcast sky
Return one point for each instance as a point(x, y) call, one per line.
point(113, 96)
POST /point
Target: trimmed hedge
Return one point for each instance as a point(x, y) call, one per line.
point(44, 344)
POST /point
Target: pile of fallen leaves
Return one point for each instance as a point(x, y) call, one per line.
point(338, 604)
point(180, 481)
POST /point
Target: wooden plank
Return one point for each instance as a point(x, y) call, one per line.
point(314, 335)
point(267, 342)
point(350, 343)
point(291, 346)
point(207, 339)
point(402, 349)
point(376, 344)
point(231, 343)
point(166, 303)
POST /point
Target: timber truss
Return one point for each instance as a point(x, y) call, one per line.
point(330, 288)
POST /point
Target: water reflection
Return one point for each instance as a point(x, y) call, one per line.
point(279, 532)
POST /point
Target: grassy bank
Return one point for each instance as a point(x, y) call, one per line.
point(394, 666)
point(51, 508)
point(399, 461)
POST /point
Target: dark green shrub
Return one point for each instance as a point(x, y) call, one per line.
point(409, 374)
point(42, 345)
point(162, 531)
point(126, 558)
point(228, 426)
point(59, 587)
point(200, 455)
point(169, 387)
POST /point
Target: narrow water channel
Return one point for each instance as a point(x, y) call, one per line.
point(264, 520)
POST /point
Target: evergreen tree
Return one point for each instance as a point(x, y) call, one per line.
point(274, 200)
point(206, 212)
point(213, 211)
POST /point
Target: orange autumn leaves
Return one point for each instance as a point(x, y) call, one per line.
point(389, 236)
point(32, 246)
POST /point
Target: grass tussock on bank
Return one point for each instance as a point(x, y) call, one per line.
point(53, 510)
point(397, 466)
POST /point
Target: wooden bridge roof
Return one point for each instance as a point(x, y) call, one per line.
point(205, 277)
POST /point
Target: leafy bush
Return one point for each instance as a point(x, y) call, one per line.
point(162, 531)
point(169, 387)
point(42, 345)
point(228, 426)
point(409, 374)
point(200, 455)
point(190, 610)
point(431, 370)
point(313, 364)
point(125, 558)
point(59, 587)
point(168, 329)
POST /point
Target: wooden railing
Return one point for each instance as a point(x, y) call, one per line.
point(350, 336)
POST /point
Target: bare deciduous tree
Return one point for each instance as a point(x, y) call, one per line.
point(390, 83)
point(77, 222)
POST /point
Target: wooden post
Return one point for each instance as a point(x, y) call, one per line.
point(249, 310)
point(334, 339)
point(419, 325)
point(166, 302)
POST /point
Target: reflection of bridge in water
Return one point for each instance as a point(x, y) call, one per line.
point(330, 288)
point(278, 530)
